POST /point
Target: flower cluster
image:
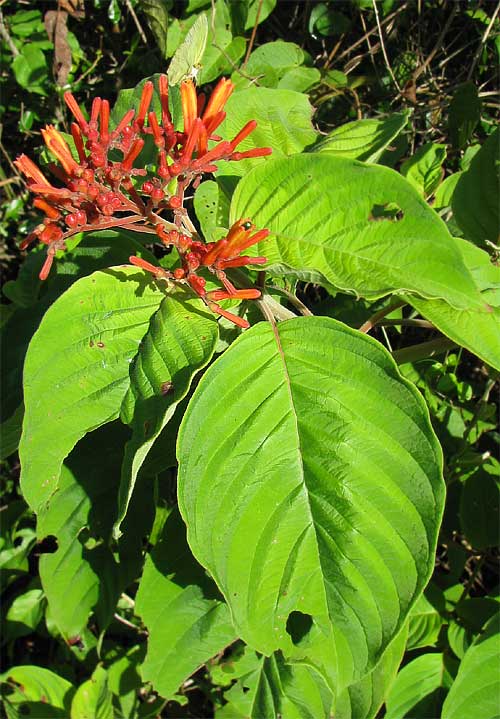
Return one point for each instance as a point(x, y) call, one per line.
point(97, 190)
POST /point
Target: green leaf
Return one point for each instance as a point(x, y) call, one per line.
point(444, 193)
point(24, 615)
point(476, 328)
point(476, 689)
point(300, 79)
point(363, 699)
point(156, 12)
point(273, 689)
point(314, 498)
point(82, 574)
point(124, 681)
point(425, 169)
point(92, 699)
point(221, 55)
point(425, 618)
point(10, 432)
point(284, 124)
point(186, 621)
point(327, 22)
point(363, 139)
point(35, 692)
point(270, 62)
point(418, 689)
point(475, 200)
point(180, 341)
point(258, 11)
point(30, 69)
point(361, 228)
point(464, 114)
point(77, 369)
point(480, 505)
point(211, 205)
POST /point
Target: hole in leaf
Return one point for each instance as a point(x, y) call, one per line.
point(87, 540)
point(388, 211)
point(298, 625)
point(48, 545)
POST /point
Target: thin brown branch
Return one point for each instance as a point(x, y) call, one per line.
point(375, 319)
point(384, 51)
point(483, 40)
point(254, 33)
point(5, 34)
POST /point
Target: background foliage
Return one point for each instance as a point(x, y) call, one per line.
point(93, 627)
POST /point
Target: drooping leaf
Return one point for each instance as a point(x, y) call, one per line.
point(360, 228)
point(418, 690)
point(156, 12)
point(424, 170)
point(476, 688)
point(35, 690)
point(93, 699)
point(315, 496)
point(476, 328)
point(23, 615)
point(444, 192)
point(272, 688)
point(284, 124)
point(464, 114)
point(363, 699)
point(76, 369)
point(180, 341)
point(363, 139)
point(187, 621)
point(475, 200)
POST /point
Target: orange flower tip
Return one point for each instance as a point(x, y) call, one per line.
point(75, 109)
point(47, 265)
point(24, 244)
point(31, 171)
point(255, 152)
point(146, 97)
point(239, 321)
point(144, 265)
point(243, 133)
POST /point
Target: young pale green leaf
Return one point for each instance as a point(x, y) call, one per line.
point(476, 328)
point(363, 139)
point(363, 699)
point(35, 692)
point(444, 192)
point(93, 699)
point(270, 62)
point(284, 124)
point(425, 169)
point(77, 369)
point(425, 618)
point(475, 200)
point(476, 689)
point(310, 483)
point(258, 11)
point(272, 688)
point(186, 619)
point(180, 341)
point(361, 228)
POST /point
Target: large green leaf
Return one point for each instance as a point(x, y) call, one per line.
point(310, 483)
point(180, 341)
point(77, 369)
point(271, 688)
point(475, 200)
point(283, 123)
point(477, 328)
point(363, 139)
point(35, 692)
point(363, 699)
point(476, 689)
point(361, 228)
point(186, 619)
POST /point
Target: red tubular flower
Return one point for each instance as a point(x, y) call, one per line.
point(189, 104)
point(146, 97)
point(59, 148)
point(218, 98)
point(33, 174)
